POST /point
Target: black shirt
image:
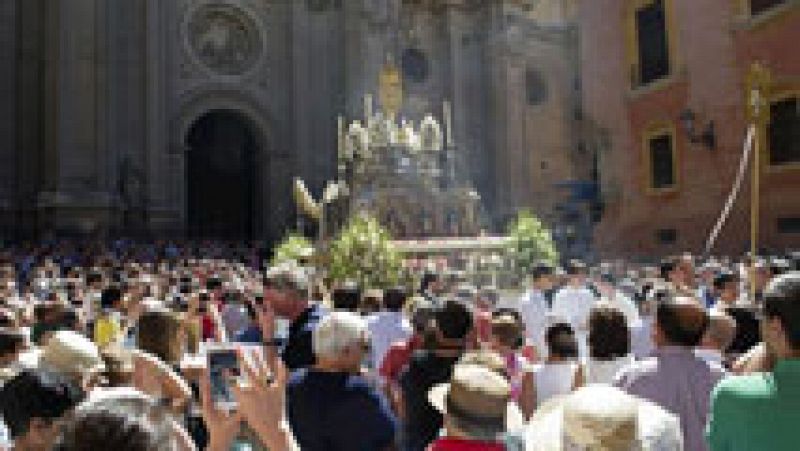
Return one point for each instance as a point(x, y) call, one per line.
point(748, 330)
point(423, 422)
point(338, 411)
point(298, 352)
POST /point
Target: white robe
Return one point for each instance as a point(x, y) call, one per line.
point(573, 305)
point(535, 315)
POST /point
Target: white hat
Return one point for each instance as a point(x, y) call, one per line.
point(72, 354)
point(602, 417)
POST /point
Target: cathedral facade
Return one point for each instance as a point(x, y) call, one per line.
point(192, 117)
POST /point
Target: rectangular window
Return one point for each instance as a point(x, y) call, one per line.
point(651, 32)
point(784, 131)
point(662, 162)
point(667, 236)
point(789, 225)
point(759, 6)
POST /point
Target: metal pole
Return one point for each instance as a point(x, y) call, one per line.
point(758, 112)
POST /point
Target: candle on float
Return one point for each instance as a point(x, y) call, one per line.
point(340, 137)
point(448, 122)
point(367, 109)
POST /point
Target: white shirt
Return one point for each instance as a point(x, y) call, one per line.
point(641, 337)
point(553, 379)
point(712, 356)
point(534, 312)
point(574, 305)
point(626, 306)
point(5, 437)
point(604, 371)
point(385, 329)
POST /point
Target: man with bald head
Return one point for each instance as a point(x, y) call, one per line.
point(674, 377)
point(718, 337)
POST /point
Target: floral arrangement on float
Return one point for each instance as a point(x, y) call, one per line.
point(364, 252)
point(530, 241)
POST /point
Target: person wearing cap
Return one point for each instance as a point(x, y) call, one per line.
point(762, 411)
point(475, 405)
point(573, 303)
point(534, 309)
point(674, 377)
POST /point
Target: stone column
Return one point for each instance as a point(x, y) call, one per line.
point(78, 199)
point(165, 201)
point(8, 114)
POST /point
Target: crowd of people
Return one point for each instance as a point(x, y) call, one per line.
point(178, 346)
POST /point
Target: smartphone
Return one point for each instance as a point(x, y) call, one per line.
point(224, 371)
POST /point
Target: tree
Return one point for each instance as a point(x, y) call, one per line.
point(364, 253)
point(530, 242)
point(294, 247)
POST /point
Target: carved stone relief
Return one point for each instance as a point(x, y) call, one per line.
point(224, 39)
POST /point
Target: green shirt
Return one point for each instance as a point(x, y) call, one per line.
point(757, 412)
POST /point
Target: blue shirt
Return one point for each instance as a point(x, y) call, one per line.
point(250, 334)
point(338, 412)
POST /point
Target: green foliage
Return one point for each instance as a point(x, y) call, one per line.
point(364, 253)
point(529, 242)
point(295, 248)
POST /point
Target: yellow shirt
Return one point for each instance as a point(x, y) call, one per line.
point(106, 331)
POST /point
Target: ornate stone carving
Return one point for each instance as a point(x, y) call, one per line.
point(224, 39)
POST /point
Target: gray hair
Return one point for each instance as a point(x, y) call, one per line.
point(336, 332)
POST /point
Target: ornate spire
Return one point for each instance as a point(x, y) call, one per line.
point(391, 89)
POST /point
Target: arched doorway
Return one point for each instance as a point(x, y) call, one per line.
point(221, 174)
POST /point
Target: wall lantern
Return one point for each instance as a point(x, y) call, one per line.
point(707, 136)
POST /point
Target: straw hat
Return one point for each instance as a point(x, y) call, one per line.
point(72, 354)
point(477, 393)
point(602, 417)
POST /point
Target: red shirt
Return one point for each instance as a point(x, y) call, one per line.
point(455, 444)
point(397, 357)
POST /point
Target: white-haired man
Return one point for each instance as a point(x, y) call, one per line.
point(330, 405)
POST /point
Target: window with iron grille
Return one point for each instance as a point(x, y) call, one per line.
point(667, 236)
point(784, 131)
point(759, 6)
point(662, 162)
point(653, 52)
point(789, 225)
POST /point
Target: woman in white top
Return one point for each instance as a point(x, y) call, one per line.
point(609, 344)
point(560, 374)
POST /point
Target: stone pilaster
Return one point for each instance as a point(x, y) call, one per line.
point(77, 197)
point(8, 115)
